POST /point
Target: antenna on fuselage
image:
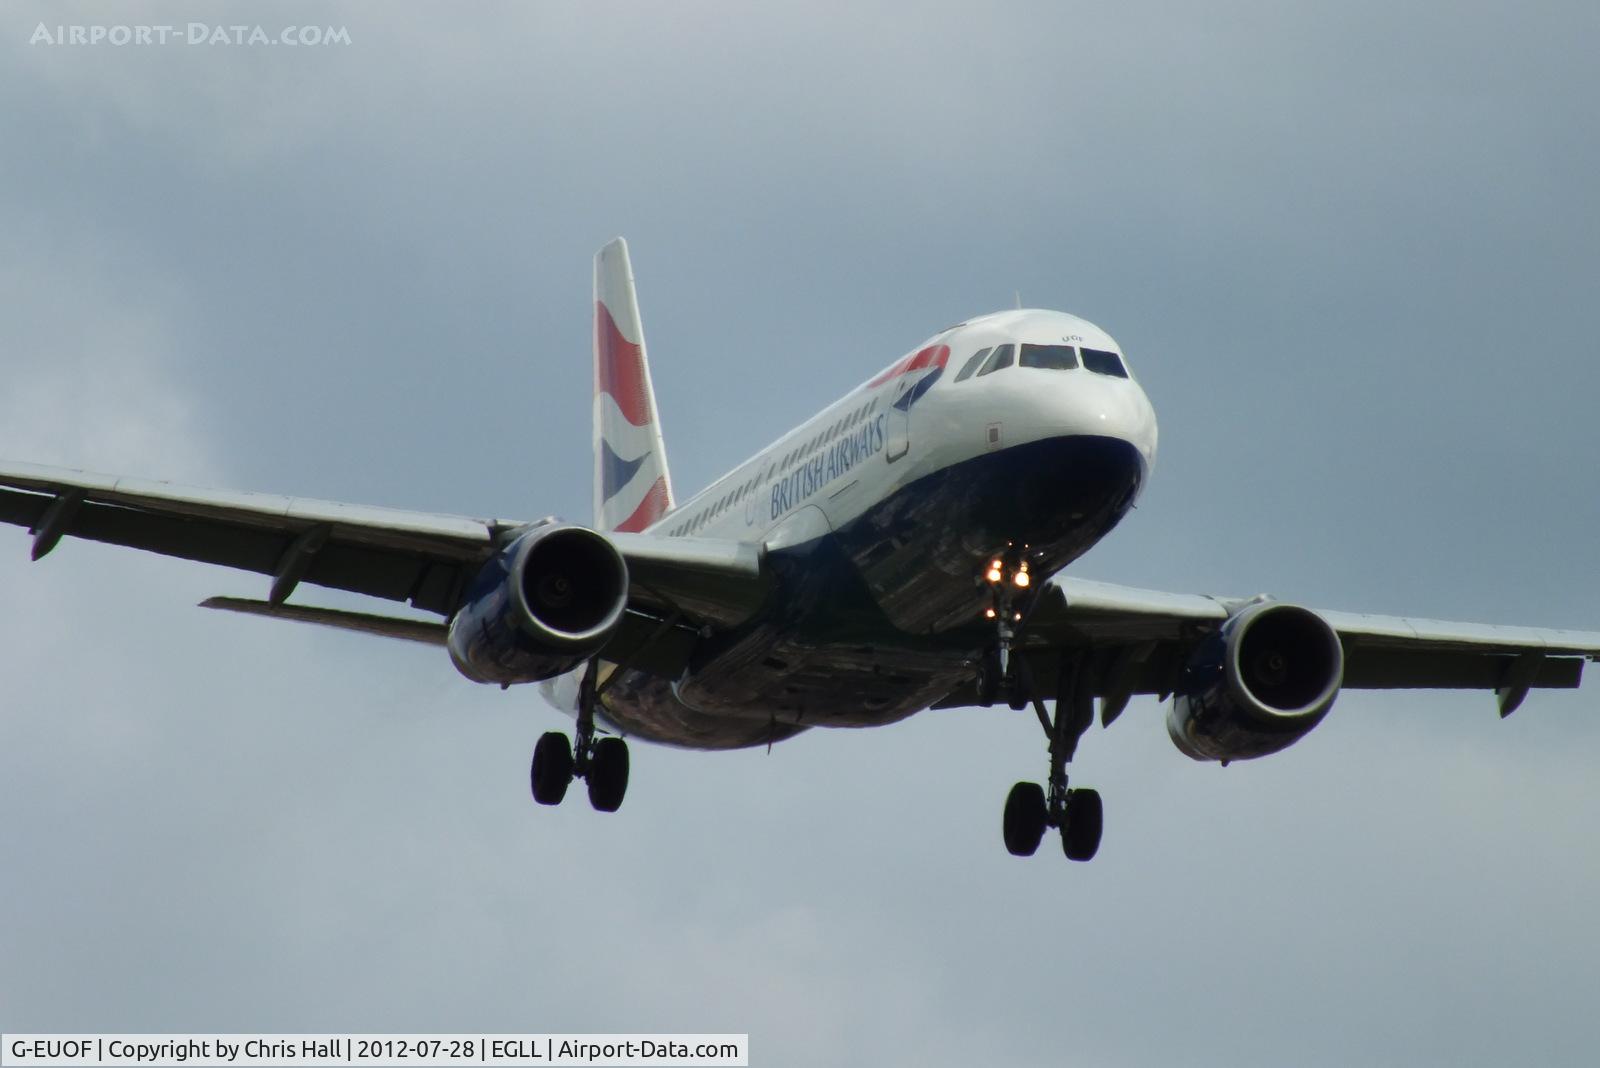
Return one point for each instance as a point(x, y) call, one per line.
point(1017, 295)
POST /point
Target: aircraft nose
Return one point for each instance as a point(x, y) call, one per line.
point(1123, 411)
point(1106, 407)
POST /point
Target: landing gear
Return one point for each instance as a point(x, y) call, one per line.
point(1019, 686)
point(1080, 835)
point(552, 768)
point(1078, 814)
point(1000, 670)
point(602, 762)
point(990, 678)
point(1025, 819)
point(608, 774)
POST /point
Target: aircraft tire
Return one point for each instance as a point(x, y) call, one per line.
point(1080, 836)
point(551, 772)
point(1019, 694)
point(988, 681)
point(608, 774)
point(1024, 819)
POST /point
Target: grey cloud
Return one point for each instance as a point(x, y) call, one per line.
point(1350, 251)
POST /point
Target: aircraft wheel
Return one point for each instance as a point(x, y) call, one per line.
point(1080, 835)
point(552, 768)
point(1024, 819)
point(988, 678)
point(608, 774)
point(1019, 694)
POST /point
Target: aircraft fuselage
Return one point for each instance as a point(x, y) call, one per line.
point(879, 516)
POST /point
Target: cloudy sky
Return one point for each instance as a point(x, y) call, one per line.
point(1350, 250)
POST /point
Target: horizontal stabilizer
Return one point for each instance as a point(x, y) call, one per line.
point(411, 630)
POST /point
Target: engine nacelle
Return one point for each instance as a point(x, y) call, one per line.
point(1258, 685)
point(544, 604)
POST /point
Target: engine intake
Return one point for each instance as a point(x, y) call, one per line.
point(1258, 685)
point(539, 608)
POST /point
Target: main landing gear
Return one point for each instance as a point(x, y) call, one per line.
point(1077, 814)
point(602, 762)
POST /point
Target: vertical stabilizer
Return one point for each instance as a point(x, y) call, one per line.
point(632, 488)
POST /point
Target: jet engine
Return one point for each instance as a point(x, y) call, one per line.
point(544, 604)
point(1258, 685)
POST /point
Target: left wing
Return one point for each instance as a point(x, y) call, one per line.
point(421, 558)
point(1141, 641)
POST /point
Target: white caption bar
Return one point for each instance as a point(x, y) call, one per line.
point(322, 1051)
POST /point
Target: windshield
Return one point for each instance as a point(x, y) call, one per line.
point(1104, 363)
point(1049, 357)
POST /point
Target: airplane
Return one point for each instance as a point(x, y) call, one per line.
point(901, 550)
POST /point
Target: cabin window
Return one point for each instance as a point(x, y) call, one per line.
point(1001, 357)
point(1104, 363)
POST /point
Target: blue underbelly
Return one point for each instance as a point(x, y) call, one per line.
point(871, 623)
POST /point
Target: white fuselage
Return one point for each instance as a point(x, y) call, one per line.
point(894, 473)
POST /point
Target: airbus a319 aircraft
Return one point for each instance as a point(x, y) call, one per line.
point(900, 550)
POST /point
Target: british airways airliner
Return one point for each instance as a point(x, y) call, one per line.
point(903, 549)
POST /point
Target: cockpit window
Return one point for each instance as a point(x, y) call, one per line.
point(1049, 357)
point(1001, 358)
point(972, 364)
point(1104, 363)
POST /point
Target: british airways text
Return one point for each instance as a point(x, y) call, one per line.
point(834, 461)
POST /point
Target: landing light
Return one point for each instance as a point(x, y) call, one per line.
point(988, 613)
point(994, 574)
point(1021, 579)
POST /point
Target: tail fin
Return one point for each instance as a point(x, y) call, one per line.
point(632, 487)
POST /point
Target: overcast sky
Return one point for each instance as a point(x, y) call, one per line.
point(1349, 249)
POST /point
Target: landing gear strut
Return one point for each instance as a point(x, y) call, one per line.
point(1000, 670)
point(1077, 814)
point(602, 762)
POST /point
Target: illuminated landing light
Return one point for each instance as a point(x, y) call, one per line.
point(1021, 579)
point(988, 613)
point(994, 575)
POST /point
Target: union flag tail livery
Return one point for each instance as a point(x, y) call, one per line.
point(632, 487)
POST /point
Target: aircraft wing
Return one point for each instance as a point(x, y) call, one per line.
point(421, 558)
point(1141, 640)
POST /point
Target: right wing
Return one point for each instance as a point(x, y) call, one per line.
point(421, 558)
point(418, 557)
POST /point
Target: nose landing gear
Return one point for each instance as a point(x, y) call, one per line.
point(602, 762)
point(1077, 814)
point(1000, 671)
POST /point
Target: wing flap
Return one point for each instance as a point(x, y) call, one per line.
point(413, 630)
point(1451, 669)
point(708, 579)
